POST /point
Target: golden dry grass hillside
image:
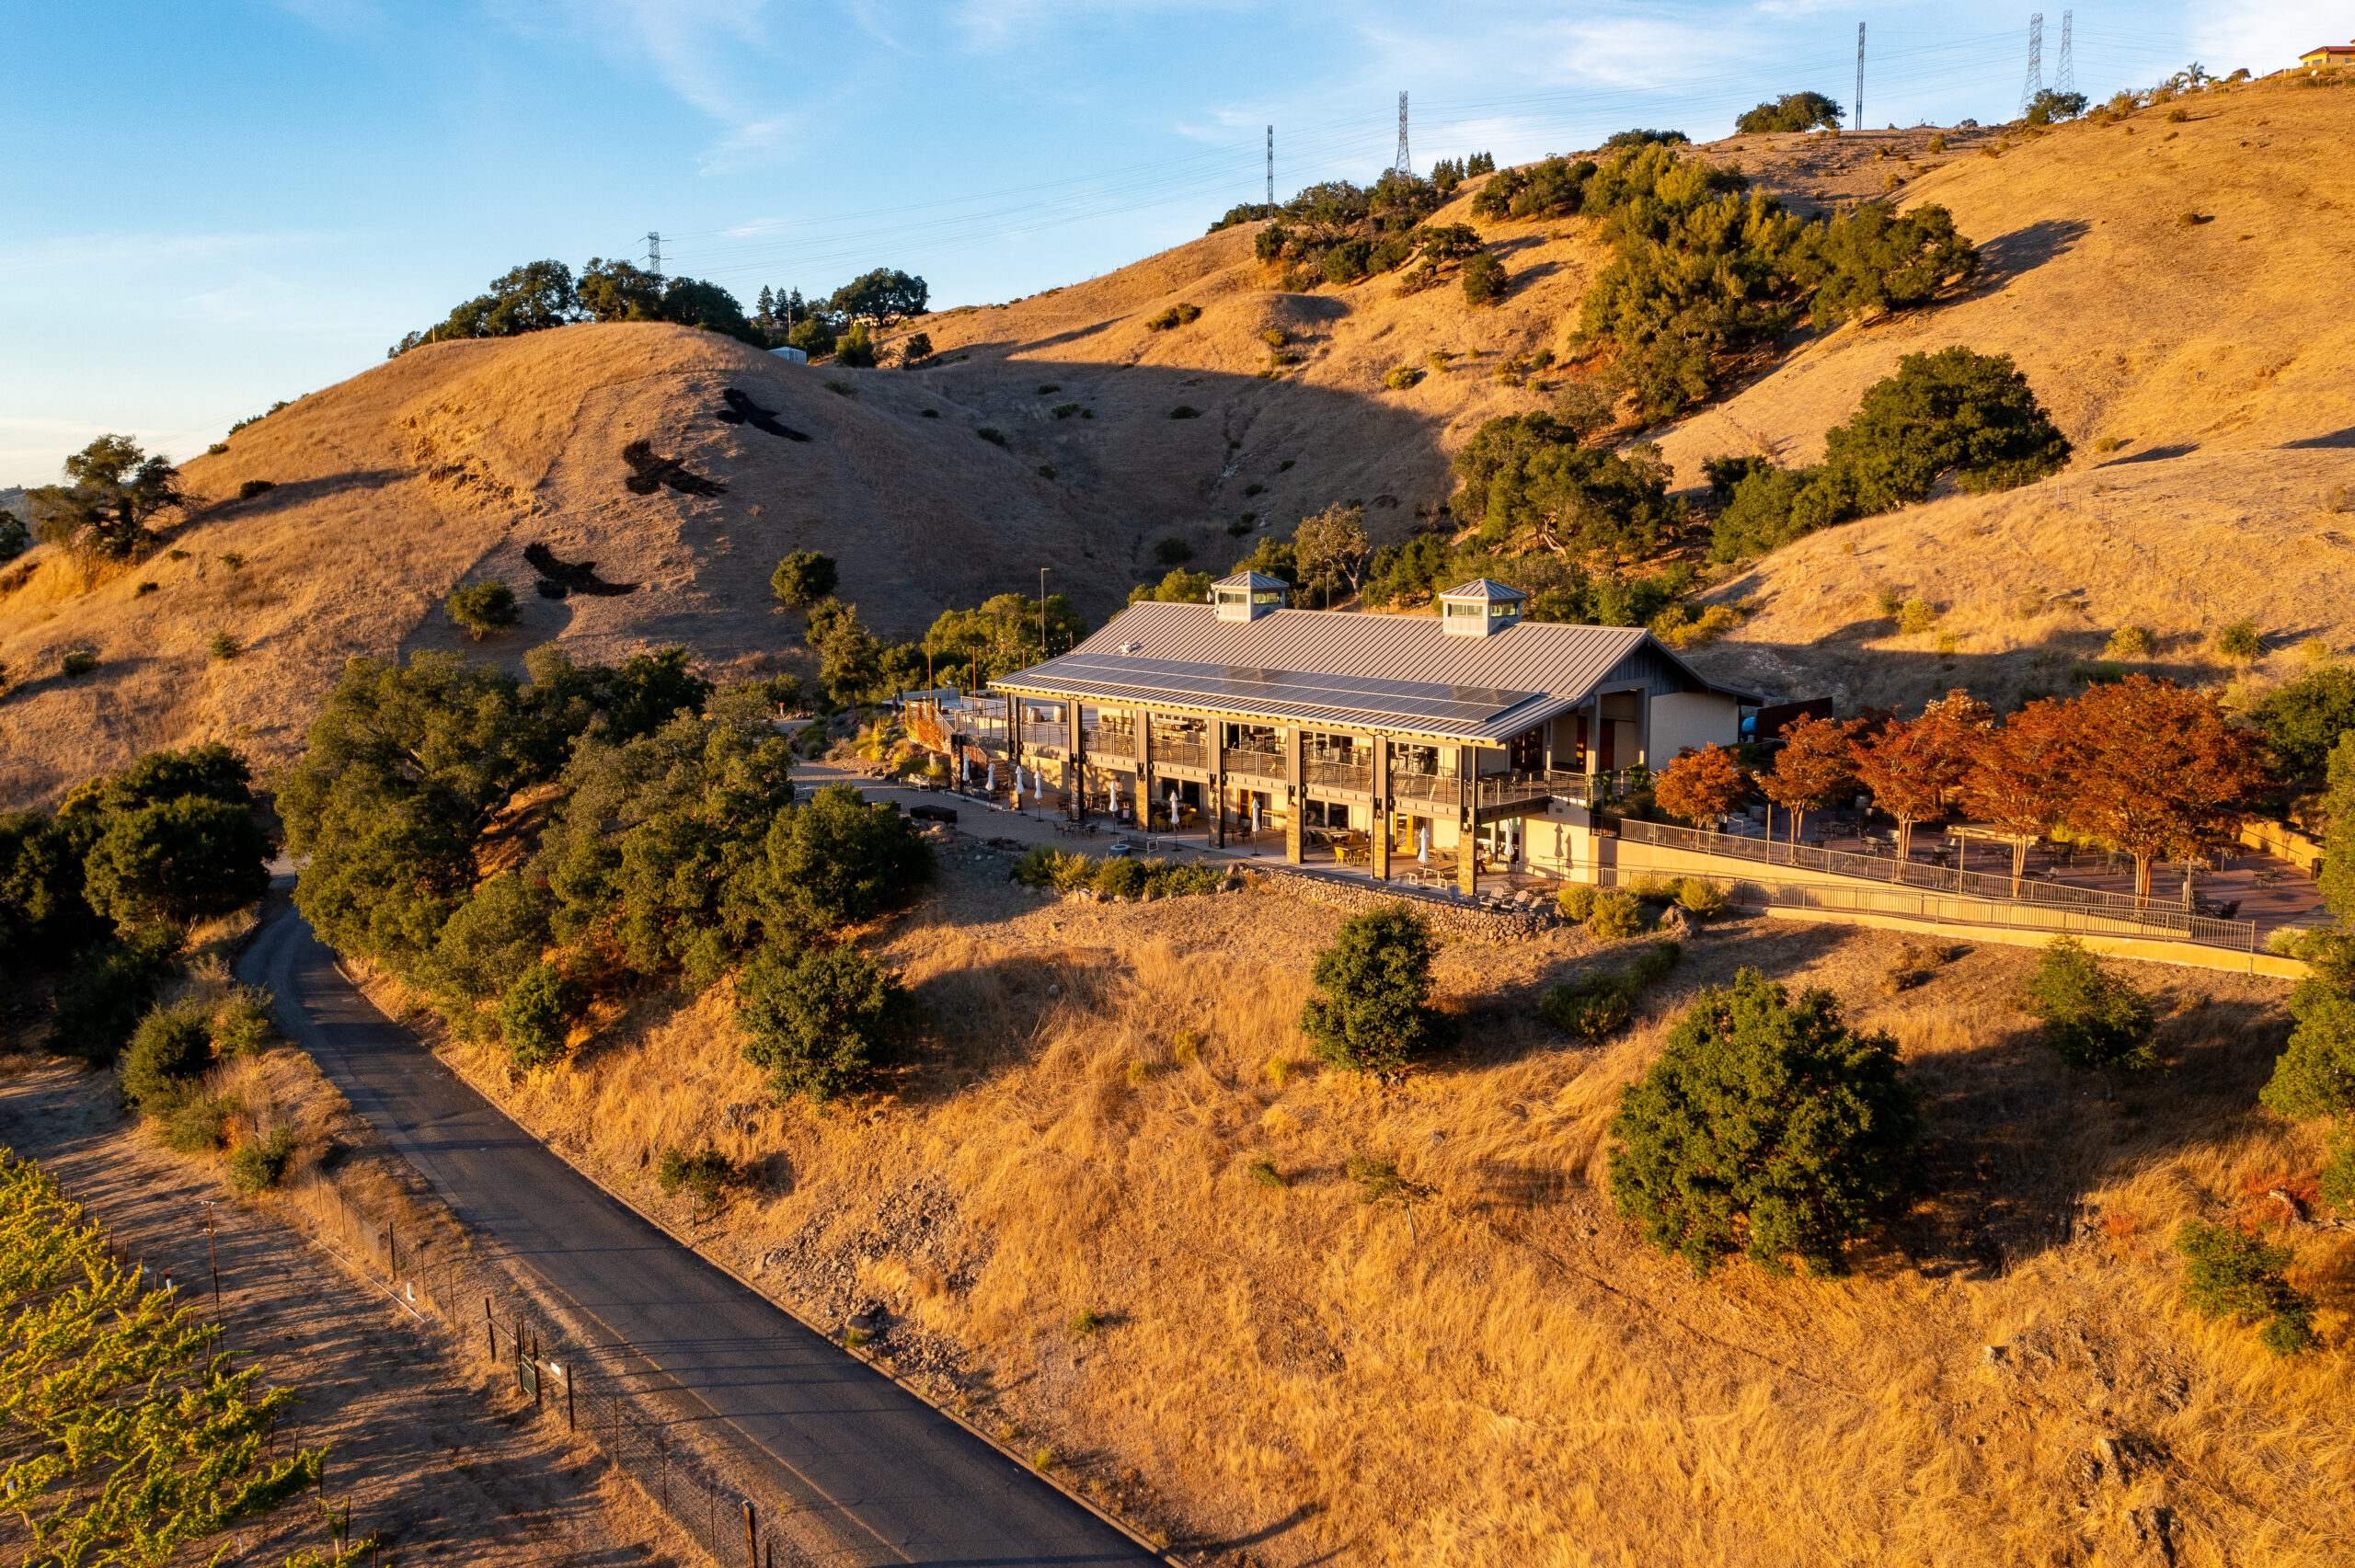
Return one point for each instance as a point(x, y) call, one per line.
point(1105, 1210)
point(2217, 353)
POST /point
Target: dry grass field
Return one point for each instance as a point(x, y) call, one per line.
point(2215, 352)
point(1277, 1372)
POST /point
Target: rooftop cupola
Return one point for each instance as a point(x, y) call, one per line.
point(1479, 608)
point(1246, 595)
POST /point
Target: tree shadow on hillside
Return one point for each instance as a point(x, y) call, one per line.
point(2334, 441)
point(2016, 1139)
point(300, 492)
point(2013, 254)
point(2153, 455)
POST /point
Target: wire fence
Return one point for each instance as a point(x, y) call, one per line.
point(730, 1520)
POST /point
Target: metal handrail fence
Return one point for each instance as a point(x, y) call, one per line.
point(2084, 904)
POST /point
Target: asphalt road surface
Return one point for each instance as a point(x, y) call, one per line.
point(906, 1484)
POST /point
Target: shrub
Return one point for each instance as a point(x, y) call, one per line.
point(2177, 116)
point(246, 1022)
point(2093, 1016)
point(260, 1165)
point(1484, 279)
point(2240, 641)
point(78, 662)
point(145, 588)
point(2302, 720)
point(705, 1174)
point(198, 1125)
point(1594, 1009)
point(1264, 1172)
point(1179, 314)
point(1276, 338)
point(1700, 896)
point(169, 1051)
point(1766, 1128)
point(2229, 1273)
point(1617, 915)
point(233, 560)
point(803, 578)
point(991, 434)
point(1064, 410)
point(2127, 642)
point(1916, 615)
point(820, 1022)
point(252, 488)
point(1401, 377)
point(223, 647)
point(855, 352)
point(1185, 411)
point(1791, 112)
point(917, 349)
point(482, 608)
point(1375, 1016)
point(1576, 902)
point(1875, 259)
point(1084, 1322)
point(537, 1013)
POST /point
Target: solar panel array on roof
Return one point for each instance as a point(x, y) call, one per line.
point(1349, 694)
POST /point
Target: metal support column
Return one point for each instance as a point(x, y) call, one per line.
point(1296, 795)
point(1381, 823)
point(1075, 775)
point(1143, 801)
point(1468, 852)
point(1014, 748)
point(1215, 733)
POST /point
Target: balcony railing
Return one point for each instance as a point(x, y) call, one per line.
point(1180, 754)
point(1108, 743)
point(1253, 761)
point(1356, 777)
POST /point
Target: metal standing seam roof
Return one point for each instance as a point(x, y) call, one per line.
point(1345, 669)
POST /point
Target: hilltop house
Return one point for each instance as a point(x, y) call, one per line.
point(2329, 55)
point(1378, 734)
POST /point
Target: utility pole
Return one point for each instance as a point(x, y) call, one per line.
point(1856, 120)
point(2065, 79)
point(1406, 165)
point(1272, 165)
point(654, 255)
point(2035, 82)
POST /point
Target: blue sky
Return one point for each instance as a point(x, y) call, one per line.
point(210, 207)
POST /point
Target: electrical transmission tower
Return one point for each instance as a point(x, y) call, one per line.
point(654, 255)
point(1272, 165)
point(2064, 80)
point(1406, 165)
point(2035, 83)
point(1857, 119)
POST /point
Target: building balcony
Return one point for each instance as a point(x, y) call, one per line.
point(1179, 754)
point(1253, 761)
point(1352, 776)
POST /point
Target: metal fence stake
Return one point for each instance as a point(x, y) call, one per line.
point(751, 1537)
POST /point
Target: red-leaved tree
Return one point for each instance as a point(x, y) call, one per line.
point(1815, 769)
point(1913, 768)
point(2156, 769)
point(2021, 778)
point(1702, 787)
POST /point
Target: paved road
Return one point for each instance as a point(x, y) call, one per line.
point(909, 1485)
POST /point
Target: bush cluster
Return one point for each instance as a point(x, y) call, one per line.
point(1532, 479)
point(2229, 1273)
point(2093, 1017)
point(1120, 877)
point(1791, 112)
point(672, 845)
point(1342, 233)
point(1599, 1005)
point(1952, 413)
point(1179, 314)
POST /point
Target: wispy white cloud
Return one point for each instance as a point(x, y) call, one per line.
point(2265, 35)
